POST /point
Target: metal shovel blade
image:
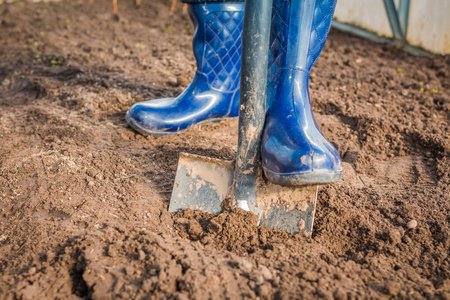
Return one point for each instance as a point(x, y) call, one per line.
point(287, 207)
point(203, 183)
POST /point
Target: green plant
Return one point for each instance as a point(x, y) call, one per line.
point(57, 61)
point(17, 215)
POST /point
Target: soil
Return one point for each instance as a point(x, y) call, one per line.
point(84, 198)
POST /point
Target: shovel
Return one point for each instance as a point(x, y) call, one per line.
point(212, 185)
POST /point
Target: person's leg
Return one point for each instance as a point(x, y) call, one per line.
point(214, 92)
point(294, 150)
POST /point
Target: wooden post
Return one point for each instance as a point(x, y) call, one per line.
point(115, 6)
point(172, 8)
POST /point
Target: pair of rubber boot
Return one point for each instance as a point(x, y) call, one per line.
point(294, 150)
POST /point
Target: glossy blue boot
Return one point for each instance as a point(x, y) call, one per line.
point(294, 150)
point(214, 92)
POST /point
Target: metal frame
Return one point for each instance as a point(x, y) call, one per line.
point(398, 20)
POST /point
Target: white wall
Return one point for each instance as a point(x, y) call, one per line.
point(428, 24)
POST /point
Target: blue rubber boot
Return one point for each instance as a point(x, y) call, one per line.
point(214, 92)
point(294, 150)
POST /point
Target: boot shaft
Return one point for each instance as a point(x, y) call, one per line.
point(217, 43)
point(294, 151)
point(298, 34)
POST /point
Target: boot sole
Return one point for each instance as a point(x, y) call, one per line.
point(302, 179)
point(144, 131)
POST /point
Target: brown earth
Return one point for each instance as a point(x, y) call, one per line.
point(84, 198)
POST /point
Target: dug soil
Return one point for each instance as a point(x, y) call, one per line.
point(83, 198)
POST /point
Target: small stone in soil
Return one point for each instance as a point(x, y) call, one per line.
point(411, 224)
point(32, 271)
point(245, 265)
point(265, 272)
point(141, 254)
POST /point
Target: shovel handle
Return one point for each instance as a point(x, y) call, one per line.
point(255, 56)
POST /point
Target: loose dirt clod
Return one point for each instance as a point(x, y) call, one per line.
point(265, 272)
point(392, 288)
point(195, 229)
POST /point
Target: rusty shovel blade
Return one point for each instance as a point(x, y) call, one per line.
point(203, 183)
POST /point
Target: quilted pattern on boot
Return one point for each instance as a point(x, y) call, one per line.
point(223, 47)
